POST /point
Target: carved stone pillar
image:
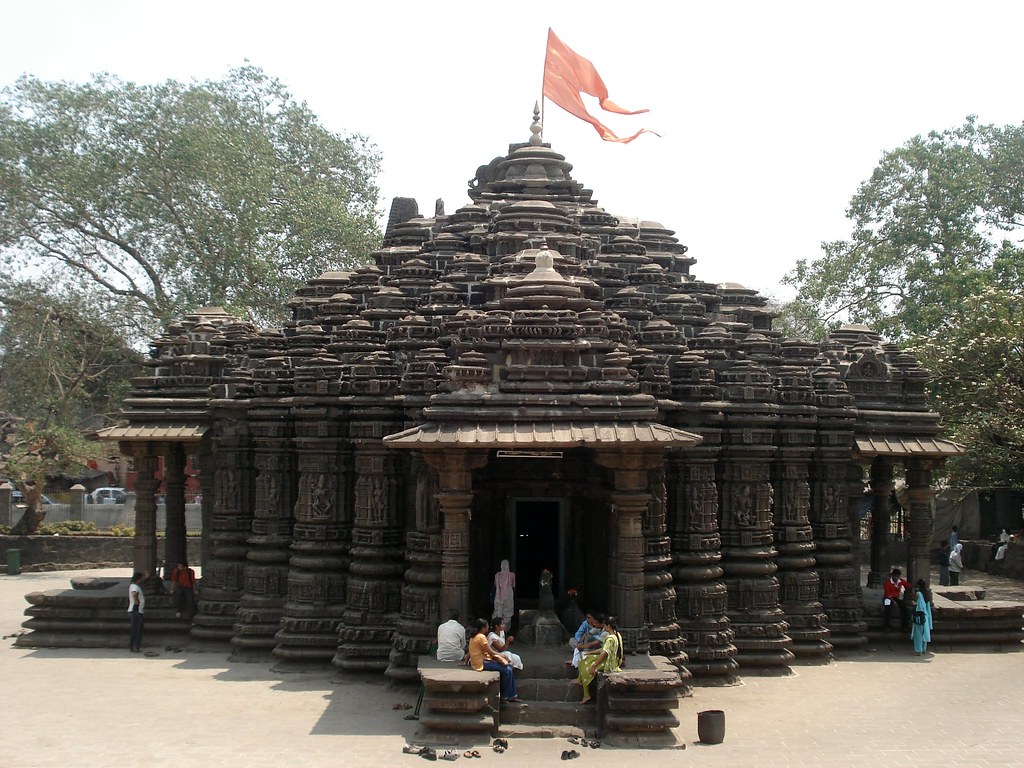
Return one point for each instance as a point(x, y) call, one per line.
point(421, 592)
point(922, 520)
point(266, 569)
point(748, 554)
point(831, 486)
point(174, 506)
point(701, 595)
point(144, 557)
point(630, 499)
point(659, 593)
point(881, 519)
point(206, 472)
point(456, 509)
point(322, 536)
point(226, 536)
point(374, 588)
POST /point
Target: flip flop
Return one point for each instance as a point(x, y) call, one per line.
point(571, 754)
point(471, 753)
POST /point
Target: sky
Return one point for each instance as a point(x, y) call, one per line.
point(771, 114)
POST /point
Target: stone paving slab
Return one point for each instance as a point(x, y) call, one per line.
point(82, 707)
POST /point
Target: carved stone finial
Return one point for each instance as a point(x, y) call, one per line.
point(536, 128)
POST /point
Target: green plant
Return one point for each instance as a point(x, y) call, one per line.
point(67, 528)
point(122, 530)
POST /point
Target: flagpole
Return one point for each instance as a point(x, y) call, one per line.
point(543, 79)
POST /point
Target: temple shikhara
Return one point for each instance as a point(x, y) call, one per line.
point(530, 378)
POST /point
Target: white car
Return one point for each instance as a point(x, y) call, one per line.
point(107, 496)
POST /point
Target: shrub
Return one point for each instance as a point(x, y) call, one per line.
point(67, 527)
point(122, 530)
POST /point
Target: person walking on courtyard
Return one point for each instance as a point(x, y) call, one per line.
point(504, 592)
point(894, 590)
point(184, 580)
point(136, 609)
point(481, 658)
point(956, 564)
point(608, 659)
point(921, 629)
point(942, 559)
point(954, 538)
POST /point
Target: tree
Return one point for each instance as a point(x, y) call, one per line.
point(172, 196)
point(978, 366)
point(934, 261)
point(931, 231)
point(63, 356)
point(64, 365)
point(30, 452)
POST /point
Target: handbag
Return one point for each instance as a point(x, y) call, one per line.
point(918, 617)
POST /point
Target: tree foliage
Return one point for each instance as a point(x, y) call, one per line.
point(30, 452)
point(935, 261)
point(978, 366)
point(934, 225)
point(64, 365)
point(172, 196)
point(63, 356)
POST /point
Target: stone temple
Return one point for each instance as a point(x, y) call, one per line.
point(528, 378)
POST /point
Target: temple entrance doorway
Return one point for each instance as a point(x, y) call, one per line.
point(538, 536)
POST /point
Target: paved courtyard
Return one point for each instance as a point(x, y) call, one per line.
point(887, 708)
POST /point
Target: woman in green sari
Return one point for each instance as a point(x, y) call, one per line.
point(608, 659)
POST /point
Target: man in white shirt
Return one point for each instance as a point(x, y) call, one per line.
point(451, 639)
point(136, 609)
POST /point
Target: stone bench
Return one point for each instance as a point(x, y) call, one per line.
point(456, 698)
point(635, 707)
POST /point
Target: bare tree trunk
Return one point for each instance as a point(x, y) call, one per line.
point(30, 521)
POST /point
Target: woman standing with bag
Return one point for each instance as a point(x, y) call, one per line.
point(921, 618)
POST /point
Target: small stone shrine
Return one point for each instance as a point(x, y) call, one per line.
point(533, 378)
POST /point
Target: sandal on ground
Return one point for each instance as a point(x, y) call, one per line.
point(498, 748)
point(471, 753)
point(412, 749)
point(448, 754)
point(503, 743)
point(570, 754)
point(428, 754)
point(574, 739)
point(595, 744)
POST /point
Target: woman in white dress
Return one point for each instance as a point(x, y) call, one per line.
point(496, 638)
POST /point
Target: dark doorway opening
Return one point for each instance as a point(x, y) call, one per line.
point(538, 545)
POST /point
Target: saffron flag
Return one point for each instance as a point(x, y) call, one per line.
point(567, 75)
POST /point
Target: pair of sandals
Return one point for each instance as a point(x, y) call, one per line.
point(500, 745)
point(570, 754)
point(595, 744)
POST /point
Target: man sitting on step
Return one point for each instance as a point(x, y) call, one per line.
point(588, 638)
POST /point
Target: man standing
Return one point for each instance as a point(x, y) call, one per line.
point(893, 591)
point(184, 580)
point(451, 639)
point(942, 558)
point(956, 564)
point(136, 609)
